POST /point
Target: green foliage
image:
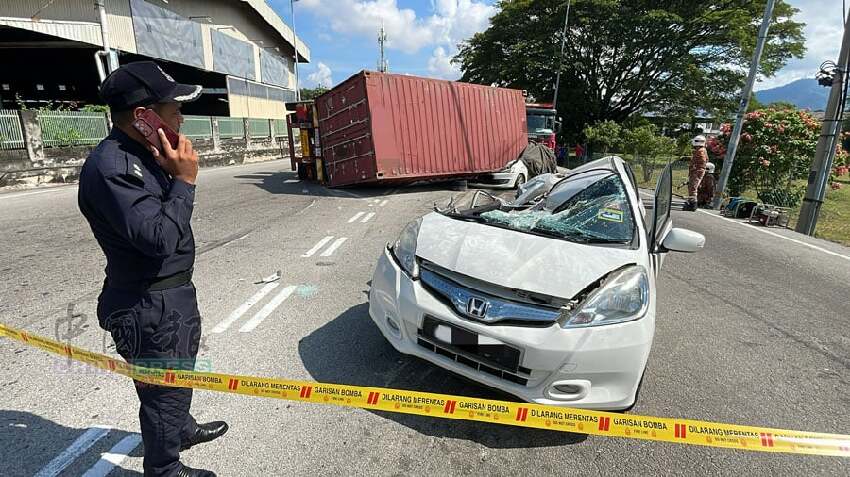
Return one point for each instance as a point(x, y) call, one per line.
point(603, 136)
point(646, 145)
point(308, 94)
point(627, 56)
point(775, 150)
point(781, 105)
point(95, 108)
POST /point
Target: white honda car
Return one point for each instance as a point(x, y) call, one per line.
point(549, 297)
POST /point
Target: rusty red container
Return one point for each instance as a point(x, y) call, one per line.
point(390, 128)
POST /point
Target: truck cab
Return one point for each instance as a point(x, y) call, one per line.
point(542, 123)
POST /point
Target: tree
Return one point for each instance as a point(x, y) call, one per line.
point(627, 56)
point(775, 150)
point(646, 145)
point(605, 135)
point(308, 94)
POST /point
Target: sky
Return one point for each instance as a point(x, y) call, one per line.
point(422, 36)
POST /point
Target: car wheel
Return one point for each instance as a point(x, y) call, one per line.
point(519, 181)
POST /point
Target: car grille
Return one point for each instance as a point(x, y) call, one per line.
point(475, 364)
point(495, 310)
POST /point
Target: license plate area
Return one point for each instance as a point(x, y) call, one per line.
point(462, 341)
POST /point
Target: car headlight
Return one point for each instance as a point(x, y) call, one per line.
point(623, 296)
point(404, 249)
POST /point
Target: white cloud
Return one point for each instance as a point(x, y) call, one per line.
point(320, 77)
point(451, 21)
point(440, 64)
point(823, 39)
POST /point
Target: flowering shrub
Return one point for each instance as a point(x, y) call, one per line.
point(776, 148)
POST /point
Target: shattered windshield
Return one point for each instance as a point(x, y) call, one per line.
point(590, 208)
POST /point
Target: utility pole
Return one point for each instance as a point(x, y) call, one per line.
point(383, 66)
point(745, 102)
point(561, 58)
point(295, 46)
point(825, 153)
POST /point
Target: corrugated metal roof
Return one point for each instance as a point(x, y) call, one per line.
point(274, 20)
point(70, 30)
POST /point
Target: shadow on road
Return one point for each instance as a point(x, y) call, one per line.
point(29, 442)
point(275, 183)
point(351, 350)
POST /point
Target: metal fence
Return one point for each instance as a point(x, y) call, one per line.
point(279, 127)
point(197, 127)
point(231, 128)
point(11, 134)
point(258, 128)
point(72, 128)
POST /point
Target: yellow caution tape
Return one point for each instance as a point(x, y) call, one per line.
point(680, 431)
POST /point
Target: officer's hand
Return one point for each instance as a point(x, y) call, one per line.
point(181, 163)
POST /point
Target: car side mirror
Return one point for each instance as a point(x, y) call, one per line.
point(683, 240)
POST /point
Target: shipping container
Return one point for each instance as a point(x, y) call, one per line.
point(390, 128)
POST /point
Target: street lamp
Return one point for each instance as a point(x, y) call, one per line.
point(295, 46)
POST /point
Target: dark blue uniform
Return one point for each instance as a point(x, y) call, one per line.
point(140, 217)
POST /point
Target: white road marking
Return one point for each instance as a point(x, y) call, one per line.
point(768, 232)
point(291, 181)
point(368, 216)
point(238, 312)
point(337, 243)
point(75, 450)
point(36, 192)
point(356, 216)
point(383, 203)
point(267, 310)
point(114, 457)
point(318, 246)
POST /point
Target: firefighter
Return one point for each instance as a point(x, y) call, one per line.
point(696, 171)
point(706, 188)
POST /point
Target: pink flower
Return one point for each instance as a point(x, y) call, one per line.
point(764, 162)
point(747, 137)
point(835, 185)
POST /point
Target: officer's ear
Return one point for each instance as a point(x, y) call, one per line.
point(138, 112)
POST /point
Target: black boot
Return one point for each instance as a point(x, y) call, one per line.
point(190, 472)
point(690, 206)
point(205, 433)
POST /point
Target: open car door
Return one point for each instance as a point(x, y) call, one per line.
point(660, 222)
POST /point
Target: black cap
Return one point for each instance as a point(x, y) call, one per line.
point(143, 83)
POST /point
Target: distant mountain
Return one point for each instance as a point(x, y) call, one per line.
point(804, 93)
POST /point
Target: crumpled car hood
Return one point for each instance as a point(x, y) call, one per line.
point(517, 260)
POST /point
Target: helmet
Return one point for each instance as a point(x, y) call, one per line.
point(698, 141)
point(709, 167)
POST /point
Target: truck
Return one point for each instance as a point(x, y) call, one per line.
point(542, 123)
point(380, 128)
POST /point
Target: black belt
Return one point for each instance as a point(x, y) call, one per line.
point(172, 281)
point(156, 284)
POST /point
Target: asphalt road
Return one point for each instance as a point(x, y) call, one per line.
point(753, 330)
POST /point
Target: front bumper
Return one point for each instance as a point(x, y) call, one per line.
point(602, 365)
point(496, 180)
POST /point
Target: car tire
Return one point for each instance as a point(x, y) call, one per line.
point(520, 180)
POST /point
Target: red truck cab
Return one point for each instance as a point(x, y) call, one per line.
point(542, 123)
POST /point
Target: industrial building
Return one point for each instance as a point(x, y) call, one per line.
point(241, 51)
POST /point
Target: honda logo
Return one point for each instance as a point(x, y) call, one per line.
point(476, 307)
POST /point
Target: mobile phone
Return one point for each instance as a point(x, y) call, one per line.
point(147, 125)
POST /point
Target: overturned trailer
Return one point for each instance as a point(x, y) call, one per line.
point(381, 128)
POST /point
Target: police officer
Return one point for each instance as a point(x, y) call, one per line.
point(138, 201)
